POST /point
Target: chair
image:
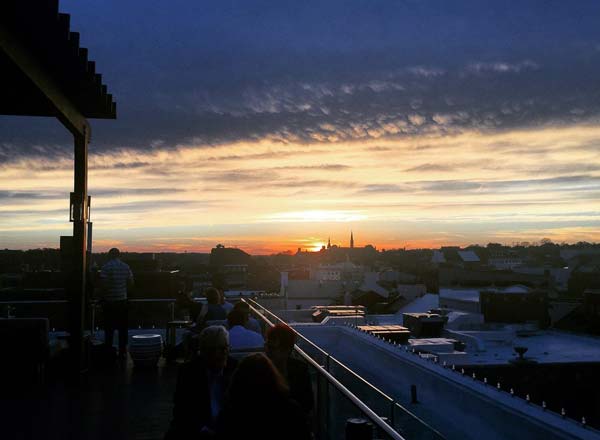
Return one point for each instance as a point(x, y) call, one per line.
point(26, 347)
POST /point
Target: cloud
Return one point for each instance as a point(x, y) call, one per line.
point(323, 167)
point(149, 206)
point(105, 192)
point(358, 76)
point(30, 195)
point(383, 188)
point(317, 216)
point(431, 167)
point(501, 67)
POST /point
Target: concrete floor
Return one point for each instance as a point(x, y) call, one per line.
point(115, 402)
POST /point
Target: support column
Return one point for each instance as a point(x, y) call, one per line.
point(79, 216)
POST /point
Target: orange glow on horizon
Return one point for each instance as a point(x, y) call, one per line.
point(267, 197)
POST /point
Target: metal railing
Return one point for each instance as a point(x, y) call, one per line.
point(398, 417)
point(377, 421)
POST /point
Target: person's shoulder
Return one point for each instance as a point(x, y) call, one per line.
point(122, 264)
point(108, 264)
point(236, 329)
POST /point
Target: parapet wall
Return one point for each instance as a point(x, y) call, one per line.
point(458, 406)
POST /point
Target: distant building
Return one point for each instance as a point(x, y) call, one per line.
point(467, 298)
point(229, 267)
point(463, 299)
point(517, 305)
point(455, 256)
point(329, 283)
point(339, 271)
point(411, 291)
point(468, 256)
point(572, 254)
point(303, 294)
point(505, 261)
point(438, 257)
point(221, 256)
point(235, 275)
point(457, 276)
point(394, 276)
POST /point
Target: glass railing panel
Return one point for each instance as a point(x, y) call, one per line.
point(378, 402)
point(410, 427)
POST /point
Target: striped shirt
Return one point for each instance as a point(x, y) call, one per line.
point(115, 275)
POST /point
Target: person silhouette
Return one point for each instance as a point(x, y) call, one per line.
point(258, 405)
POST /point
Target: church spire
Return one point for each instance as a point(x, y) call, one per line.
point(351, 240)
point(328, 242)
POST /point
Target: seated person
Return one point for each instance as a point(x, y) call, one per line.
point(258, 405)
point(252, 323)
point(224, 303)
point(185, 301)
point(279, 347)
point(240, 337)
point(213, 311)
point(201, 386)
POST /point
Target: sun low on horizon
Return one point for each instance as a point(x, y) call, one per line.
point(413, 125)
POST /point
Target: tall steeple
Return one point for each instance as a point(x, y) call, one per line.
point(351, 240)
point(328, 242)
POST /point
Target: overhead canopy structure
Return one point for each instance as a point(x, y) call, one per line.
point(44, 72)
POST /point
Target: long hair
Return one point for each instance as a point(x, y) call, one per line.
point(256, 379)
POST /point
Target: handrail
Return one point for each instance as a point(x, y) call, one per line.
point(311, 343)
point(328, 356)
point(390, 399)
point(382, 424)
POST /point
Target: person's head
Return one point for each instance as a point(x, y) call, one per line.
point(212, 296)
point(256, 378)
point(114, 253)
point(242, 307)
point(221, 296)
point(280, 340)
point(214, 346)
point(237, 317)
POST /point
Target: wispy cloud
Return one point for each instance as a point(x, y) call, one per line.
point(501, 67)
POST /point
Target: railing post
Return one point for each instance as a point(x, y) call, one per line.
point(392, 419)
point(93, 310)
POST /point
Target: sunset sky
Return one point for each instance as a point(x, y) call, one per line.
point(275, 125)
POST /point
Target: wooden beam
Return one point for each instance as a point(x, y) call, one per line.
point(66, 111)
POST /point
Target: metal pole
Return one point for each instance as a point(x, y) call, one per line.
point(78, 278)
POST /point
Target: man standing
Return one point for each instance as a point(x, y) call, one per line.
point(116, 277)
